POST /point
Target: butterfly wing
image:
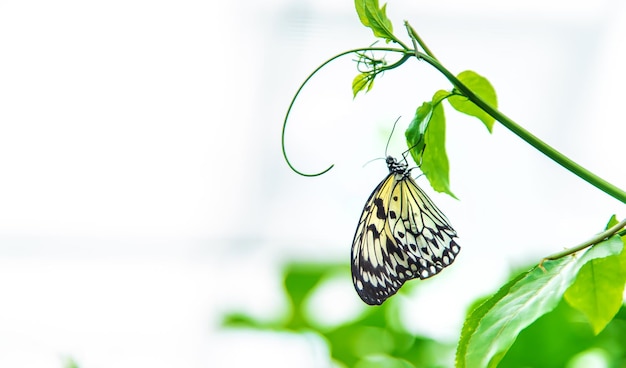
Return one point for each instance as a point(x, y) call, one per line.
point(372, 272)
point(423, 230)
point(401, 235)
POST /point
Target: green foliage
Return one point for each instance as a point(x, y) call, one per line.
point(375, 18)
point(362, 82)
point(70, 363)
point(374, 339)
point(528, 314)
point(426, 135)
point(426, 138)
point(491, 329)
point(549, 316)
point(481, 87)
point(599, 288)
point(415, 132)
point(558, 338)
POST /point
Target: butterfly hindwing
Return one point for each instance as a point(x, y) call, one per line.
point(401, 235)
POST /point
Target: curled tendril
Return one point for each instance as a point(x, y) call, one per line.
point(369, 64)
point(379, 65)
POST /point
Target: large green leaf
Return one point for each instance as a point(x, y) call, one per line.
point(553, 340)
point(598, 291)
point(375, 18)
point(481, 87)
point(426, 138)
point(491, 329)
point(435, 163)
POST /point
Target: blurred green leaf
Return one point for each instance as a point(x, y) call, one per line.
point(481, 87)
point(300, 281)
point(492, 328)
point(241, 320)
point(375, 18)
point(383, 361)
point(374, 334)
point(369, 340)
point(70, 363)
point(362, 82)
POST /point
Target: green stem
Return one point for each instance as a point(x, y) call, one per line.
point(404, 58)
point(596, 239)
point(416, 38)
point(534, 141)
point(531, 139)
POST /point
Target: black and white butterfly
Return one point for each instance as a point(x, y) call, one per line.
point(401, 235)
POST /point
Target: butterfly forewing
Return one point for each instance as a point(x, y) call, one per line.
point(401, 235)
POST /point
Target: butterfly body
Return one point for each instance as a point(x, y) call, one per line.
point(401, 235)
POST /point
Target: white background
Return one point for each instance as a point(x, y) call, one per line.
point(143, 193)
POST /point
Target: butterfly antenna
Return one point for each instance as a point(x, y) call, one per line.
point(391, 134)
point(372, 160)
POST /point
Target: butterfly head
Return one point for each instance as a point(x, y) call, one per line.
point(396, 167)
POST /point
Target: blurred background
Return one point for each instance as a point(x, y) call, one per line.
point(143, 195)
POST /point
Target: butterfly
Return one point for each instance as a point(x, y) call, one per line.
point(401, 235)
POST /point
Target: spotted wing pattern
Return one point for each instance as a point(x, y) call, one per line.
point(401, 235)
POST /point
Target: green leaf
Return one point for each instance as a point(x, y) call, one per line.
point(426, 138)
point(435, 163)
point(415, 132)
point(362, 82)
point(599, 287)
point(491, 329)
point(70, 363)
point(359, 5)
point(598, 291)
point(475, 318)
point(612, 222)
point(240, 320)
point(383, 361)
point(375, 18)
point(483, 89)
point(553, 340)
point(302, 278)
